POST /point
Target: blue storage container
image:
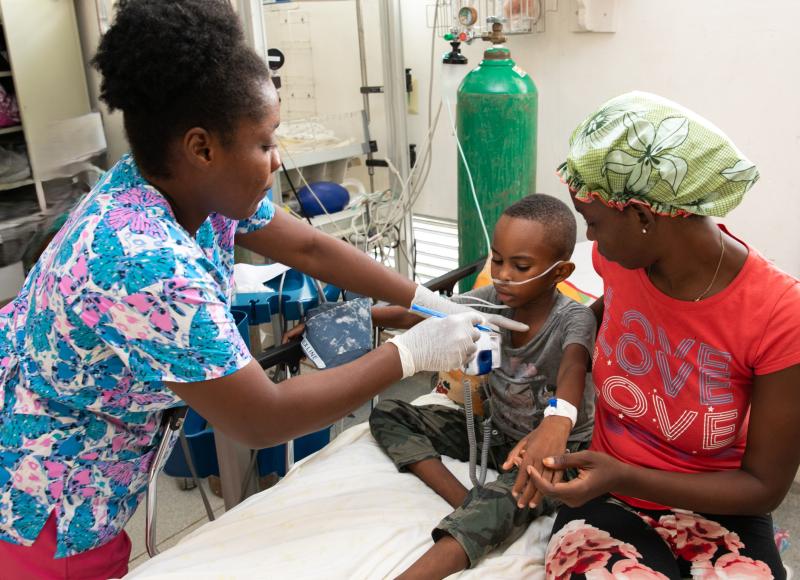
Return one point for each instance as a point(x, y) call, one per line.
point(298, 295)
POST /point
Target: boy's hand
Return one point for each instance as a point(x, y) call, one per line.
point(547, 440)
point(295, 332)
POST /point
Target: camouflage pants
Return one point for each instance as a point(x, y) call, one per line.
point(489, 515)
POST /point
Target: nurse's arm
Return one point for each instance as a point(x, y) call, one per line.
point(297, 244)
point(250, 408)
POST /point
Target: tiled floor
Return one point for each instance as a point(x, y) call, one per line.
point(180, 512)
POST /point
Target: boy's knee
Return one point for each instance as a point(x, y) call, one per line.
point(383, 414)
point(386, 406)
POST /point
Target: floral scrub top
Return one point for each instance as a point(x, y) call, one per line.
point(122, 300)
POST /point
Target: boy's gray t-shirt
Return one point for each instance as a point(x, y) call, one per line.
point(520, 389)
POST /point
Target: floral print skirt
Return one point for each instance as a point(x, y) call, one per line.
point(608, 539)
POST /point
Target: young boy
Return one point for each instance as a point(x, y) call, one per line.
point(533, 242)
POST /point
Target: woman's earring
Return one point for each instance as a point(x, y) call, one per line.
point(644, 230)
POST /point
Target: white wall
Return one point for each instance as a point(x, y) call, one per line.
point(334, 65)
point(733, 61)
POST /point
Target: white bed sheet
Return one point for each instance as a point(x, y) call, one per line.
point(343, 513)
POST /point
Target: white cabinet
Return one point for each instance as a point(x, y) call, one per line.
point(43, 68)
point(46, 74)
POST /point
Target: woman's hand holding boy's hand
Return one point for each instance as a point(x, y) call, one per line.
point(549, 438)
point(598, 474)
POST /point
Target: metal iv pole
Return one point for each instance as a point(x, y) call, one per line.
point(394, 88)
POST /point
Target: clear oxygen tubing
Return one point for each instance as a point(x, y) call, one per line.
point(469, 176)
point(499, 282)
point(477, 479)
point(480, 302)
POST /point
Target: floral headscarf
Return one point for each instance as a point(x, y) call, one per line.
point(642, 148)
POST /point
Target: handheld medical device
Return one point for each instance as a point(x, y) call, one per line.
point(486, 359)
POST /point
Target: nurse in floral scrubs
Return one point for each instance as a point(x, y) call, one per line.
point(126, 313)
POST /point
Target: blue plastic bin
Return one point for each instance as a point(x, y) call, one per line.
point(299, 295)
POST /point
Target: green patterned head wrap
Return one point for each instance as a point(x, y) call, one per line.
point(641, 148)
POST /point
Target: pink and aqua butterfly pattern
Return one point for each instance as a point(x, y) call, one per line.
point(121, 301)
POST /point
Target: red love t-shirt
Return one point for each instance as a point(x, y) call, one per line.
point(673, 378)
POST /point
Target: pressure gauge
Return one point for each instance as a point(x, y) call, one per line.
point(467, 16)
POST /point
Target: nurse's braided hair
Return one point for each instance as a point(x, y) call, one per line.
point(170, 65)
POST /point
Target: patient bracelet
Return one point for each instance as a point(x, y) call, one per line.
point(561, 408)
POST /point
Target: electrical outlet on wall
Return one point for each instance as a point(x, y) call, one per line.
point(594, 15)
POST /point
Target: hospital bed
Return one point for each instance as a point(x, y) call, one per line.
point(344, 512)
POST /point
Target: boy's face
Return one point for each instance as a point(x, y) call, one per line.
point(520, 250)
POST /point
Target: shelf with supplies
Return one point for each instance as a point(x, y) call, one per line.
point(15, 168)
point(318, 148)
point(318, 139)
point(36, 64)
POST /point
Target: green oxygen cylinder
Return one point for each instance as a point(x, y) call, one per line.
point(496, 120)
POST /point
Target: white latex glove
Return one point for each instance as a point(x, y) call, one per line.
point(435, 301)
point(438, 344)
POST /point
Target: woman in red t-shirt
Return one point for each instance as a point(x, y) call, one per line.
point(696, 365)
